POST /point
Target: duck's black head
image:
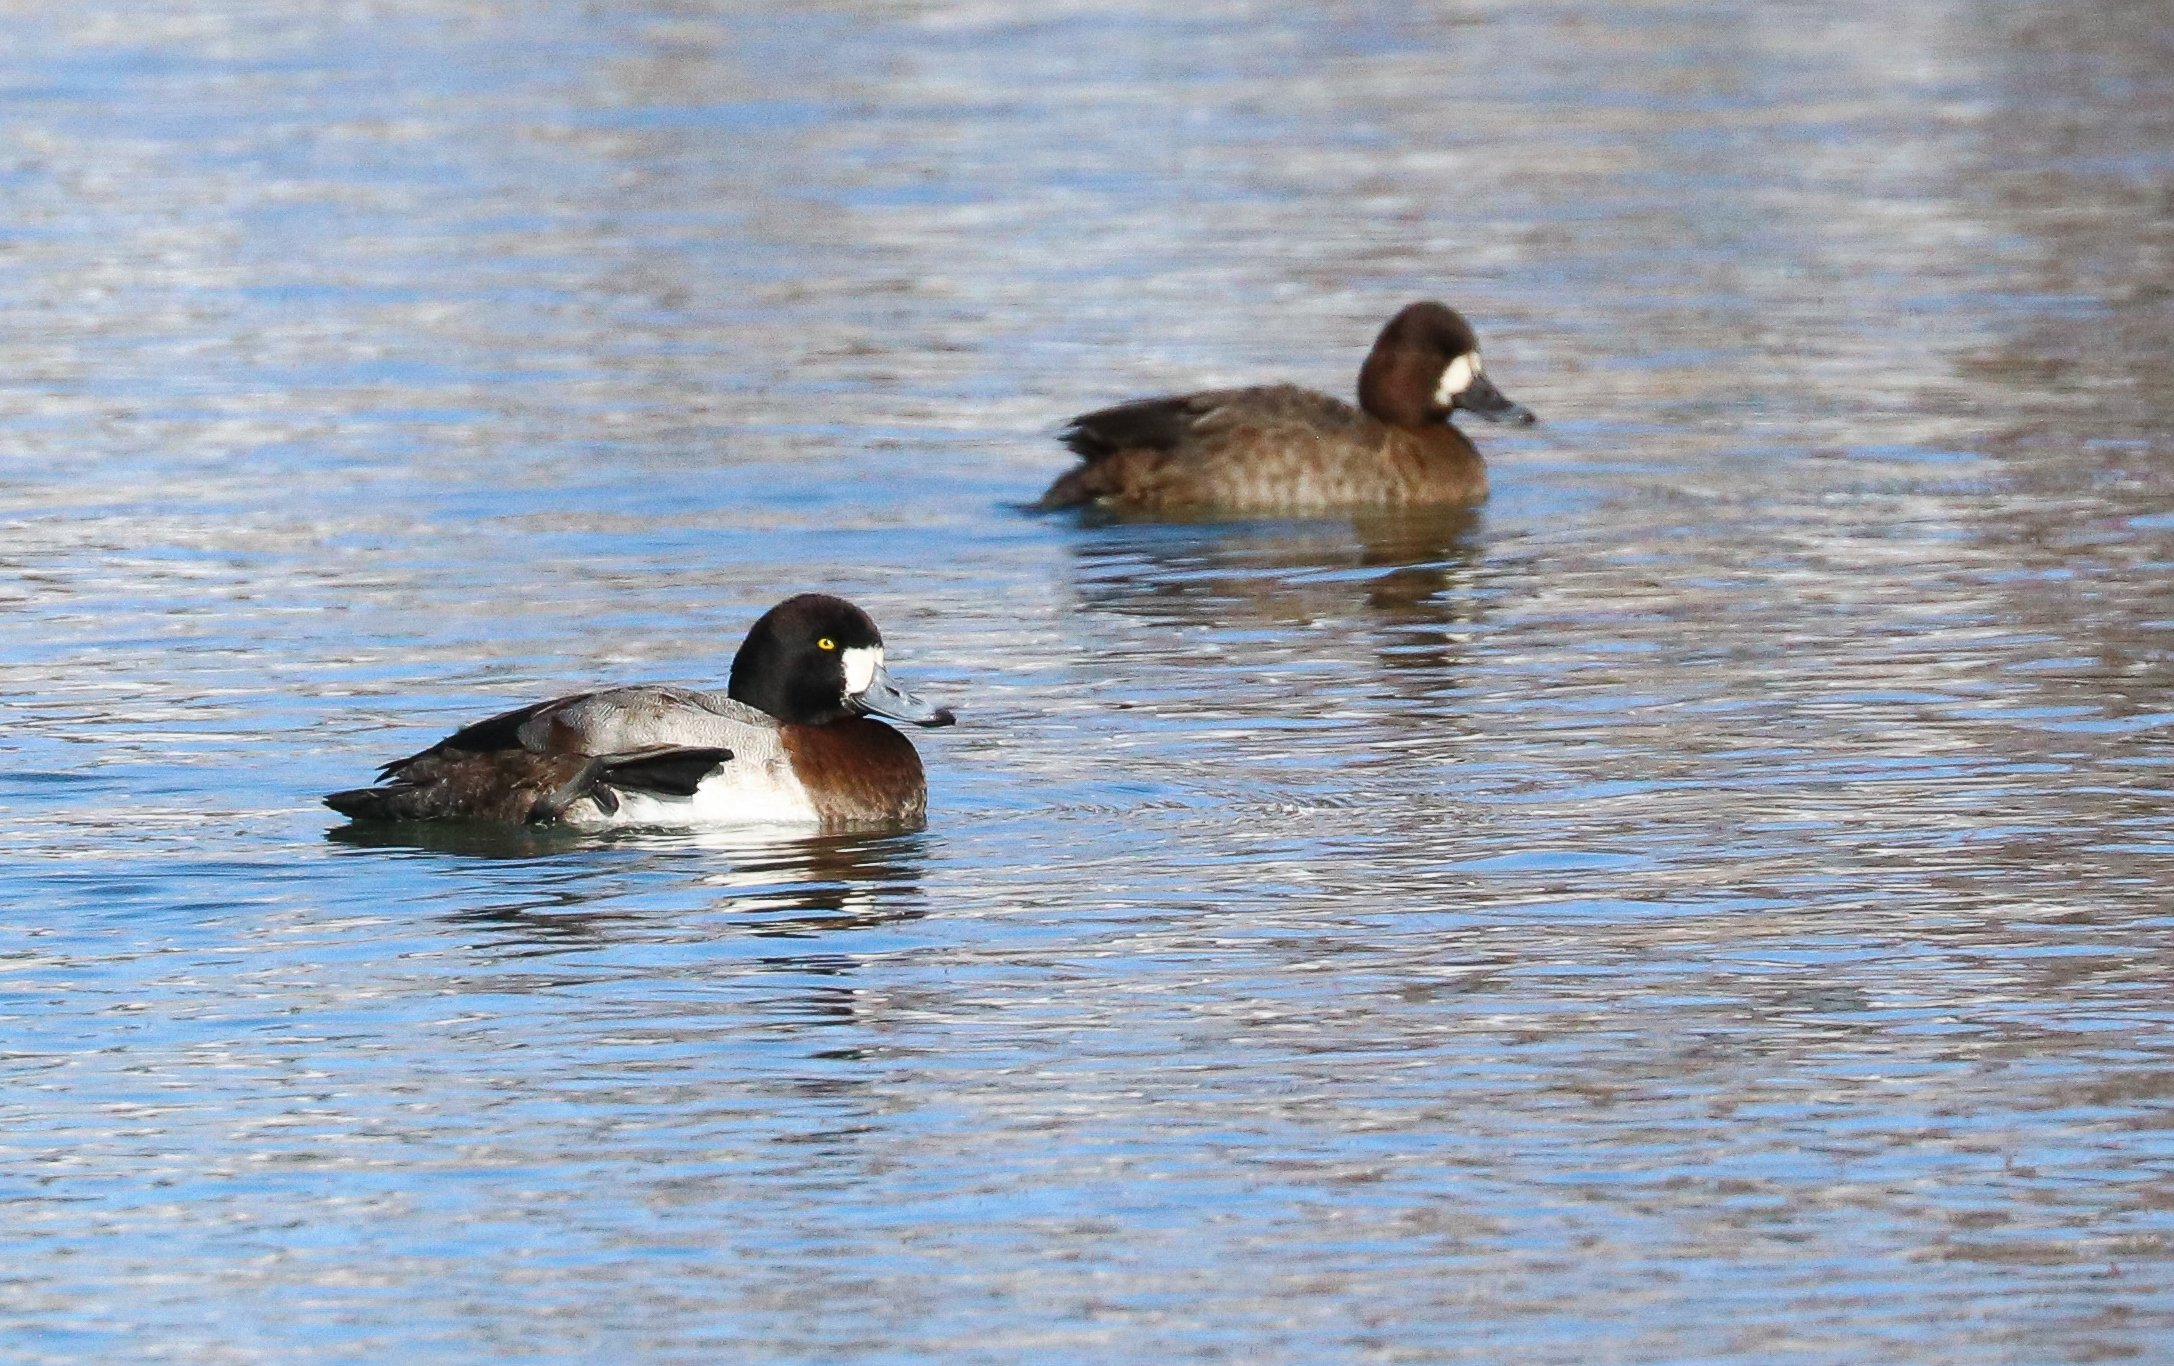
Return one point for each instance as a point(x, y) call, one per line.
point(1425, 363)
point(814, 659)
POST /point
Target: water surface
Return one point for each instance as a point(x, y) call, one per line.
point(1709, 905)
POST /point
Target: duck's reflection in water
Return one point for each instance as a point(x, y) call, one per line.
point(572, 887)
point(818, 884)
point(1399, 582)
point(466, 839)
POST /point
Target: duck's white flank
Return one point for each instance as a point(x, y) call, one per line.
point(757, 786)
point(736, 794)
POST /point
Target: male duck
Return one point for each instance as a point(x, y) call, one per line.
point(1280, 448)
point(789, 741)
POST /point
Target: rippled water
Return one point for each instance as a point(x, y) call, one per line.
point(1710, 905)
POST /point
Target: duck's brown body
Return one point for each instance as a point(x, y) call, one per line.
point(1270, 448)
point(1279, 448)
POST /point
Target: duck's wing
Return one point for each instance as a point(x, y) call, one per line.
point(1144, 424)
point(1133, 450)
point(500, 732)
point(520, 787)
point(624, 720)
point(1274, 414)
point(612, 721)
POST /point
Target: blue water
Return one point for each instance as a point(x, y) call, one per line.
point(1710, 905)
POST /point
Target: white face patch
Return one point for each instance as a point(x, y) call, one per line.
point(861, 663)
point(1458, 377)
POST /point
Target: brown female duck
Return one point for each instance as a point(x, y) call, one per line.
point(1279, 448)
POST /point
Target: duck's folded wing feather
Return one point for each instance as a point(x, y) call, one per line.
point(609, 721)
point(503, 731)
point(1170, 423)
point(625, 720)
point(517, 786)
point(668, 771)
point(1270, 414)
point(1144, 424)
point(1127, 450)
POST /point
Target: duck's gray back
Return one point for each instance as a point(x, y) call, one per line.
point(623, 720)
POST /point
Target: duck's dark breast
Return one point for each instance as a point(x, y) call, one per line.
point(858, 772)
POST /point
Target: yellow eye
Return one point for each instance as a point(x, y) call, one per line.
point(826, 643)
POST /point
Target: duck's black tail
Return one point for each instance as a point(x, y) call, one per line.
point(1117, 445)
point(1144, 424)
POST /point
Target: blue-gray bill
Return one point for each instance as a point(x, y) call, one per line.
point(1483, 399)
point(883, 697)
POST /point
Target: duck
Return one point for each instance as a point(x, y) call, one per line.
point(794, 739)
point(1281, 448)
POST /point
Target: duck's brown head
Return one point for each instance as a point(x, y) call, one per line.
point(1424, 365)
